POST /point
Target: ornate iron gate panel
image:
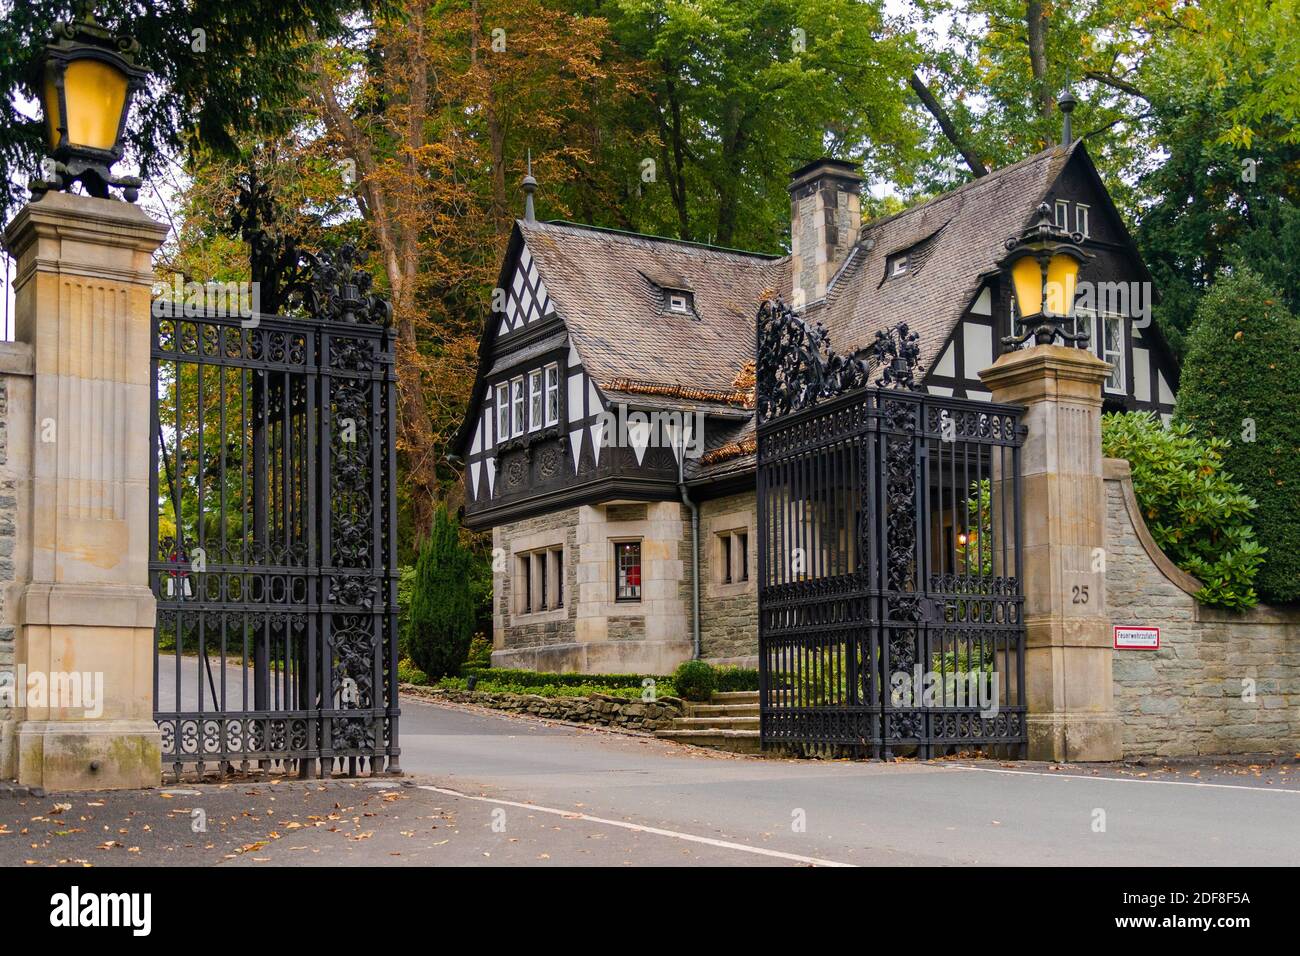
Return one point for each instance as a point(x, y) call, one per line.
point(890, 605)
point(273, 470)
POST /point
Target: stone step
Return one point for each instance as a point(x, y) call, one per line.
point(723, 710)
point(736, 697)
point(736, 741)
point(715, 723)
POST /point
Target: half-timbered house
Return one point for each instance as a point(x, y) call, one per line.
point(609, 444)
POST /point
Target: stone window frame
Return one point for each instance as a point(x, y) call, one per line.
point(732, 564)
point(639, 541)
point(725, 525)
point(547, 548)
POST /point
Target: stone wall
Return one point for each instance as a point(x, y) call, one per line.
point(15, 471)
point(593, 633)
point(600, 709)
point(728, 612)
point(511, 630)
point(1221, 682)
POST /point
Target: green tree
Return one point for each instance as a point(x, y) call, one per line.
point(1196, 513)
point(217, 68)
point(442, 612)
point(740, 92)
point(1239, 385)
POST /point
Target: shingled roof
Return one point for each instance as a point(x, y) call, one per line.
point(957, 237)
point(598, 281)
point(608, 287)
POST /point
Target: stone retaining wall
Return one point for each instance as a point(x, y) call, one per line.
point(600, 709)
point(1222, 682)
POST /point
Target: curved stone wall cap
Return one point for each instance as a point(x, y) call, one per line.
point(1119, 469)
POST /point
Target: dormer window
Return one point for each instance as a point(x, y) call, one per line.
point(672, 289)
point(897, 266)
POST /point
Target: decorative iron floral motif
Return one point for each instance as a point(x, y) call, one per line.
point(795, 366)
point(898, 352)
point(339, 290)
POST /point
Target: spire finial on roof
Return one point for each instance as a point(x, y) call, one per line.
point(1066, 104)
point(530, 187)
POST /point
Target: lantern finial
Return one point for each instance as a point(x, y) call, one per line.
point(85, 81)
point(1043, 265)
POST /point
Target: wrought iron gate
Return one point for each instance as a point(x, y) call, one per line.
point(274, 518)
point(890, 605)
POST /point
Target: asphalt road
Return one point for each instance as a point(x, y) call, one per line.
point(866, 813)
point(487, 788)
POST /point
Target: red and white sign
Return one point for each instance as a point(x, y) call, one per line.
point(1137, 638)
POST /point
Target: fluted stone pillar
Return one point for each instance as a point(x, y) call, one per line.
point(85, 613)
point(1068, 684)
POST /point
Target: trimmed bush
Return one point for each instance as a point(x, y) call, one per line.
point(695, 680)
point(441, 619)
point(1240, 383)
point(1196, 513)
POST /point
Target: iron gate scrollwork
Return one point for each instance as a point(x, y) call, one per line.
point(273, 481)
point(890, 604)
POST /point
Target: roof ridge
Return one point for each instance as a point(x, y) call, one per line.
point(627, 234)
point(992, 176)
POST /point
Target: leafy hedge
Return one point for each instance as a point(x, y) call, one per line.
point(726, 679)
point(594, 685)
point(1240, 383)
point(731, 679)
point(1196, 513)
point(505, 675)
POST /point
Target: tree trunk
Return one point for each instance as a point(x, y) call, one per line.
point(1036, 27)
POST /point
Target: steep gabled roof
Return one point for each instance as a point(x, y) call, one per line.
point(957, 238)
point(598, 280)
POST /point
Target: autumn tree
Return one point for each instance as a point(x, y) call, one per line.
point(434, 111)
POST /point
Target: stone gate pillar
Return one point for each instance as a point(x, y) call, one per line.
point(1068, 684)
point(85, 613)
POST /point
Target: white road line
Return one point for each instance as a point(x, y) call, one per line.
point(638, 828)
point(1078, 776)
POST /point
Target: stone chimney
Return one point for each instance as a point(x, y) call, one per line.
point(825, 216)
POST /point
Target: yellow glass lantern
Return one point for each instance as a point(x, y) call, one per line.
point(1043, 264)
point(86, 80)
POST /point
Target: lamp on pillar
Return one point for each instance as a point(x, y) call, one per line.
point(85, 82)
point(1043, 263)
